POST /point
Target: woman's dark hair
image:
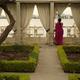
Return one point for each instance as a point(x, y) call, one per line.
point(59, 19)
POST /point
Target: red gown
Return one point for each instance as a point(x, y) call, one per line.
point(59, 33)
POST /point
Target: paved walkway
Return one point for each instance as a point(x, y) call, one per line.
point(49, 67)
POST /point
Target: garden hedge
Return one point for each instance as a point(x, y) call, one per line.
point(67, 65)
point(14, 77)
point(74, 77)
point(20, 65)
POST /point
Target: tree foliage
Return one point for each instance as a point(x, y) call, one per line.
point(3, 5)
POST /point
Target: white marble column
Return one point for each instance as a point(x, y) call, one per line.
point(18, 25)
point(51, 22)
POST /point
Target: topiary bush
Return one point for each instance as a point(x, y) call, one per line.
point(16, 48)
point(73, 49)
point(20, 65)
point(67, 65)
point(74, 77)
point(14, 77)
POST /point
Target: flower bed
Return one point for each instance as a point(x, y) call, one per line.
point(27, 64)
point(14, 77)
point(67, 64)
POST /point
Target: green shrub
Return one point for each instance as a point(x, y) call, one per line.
point(20, 65)
point(74, 49)
point(16, 48)
point(9, 77)
point(62, 55)
point(67, 65)
point(73, 76)
point(14, 77)
point(35, 53)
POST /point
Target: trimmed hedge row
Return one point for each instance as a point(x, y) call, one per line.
point(21, 65)
point(67, 65)
point(14, 77)
point(73, 49)
point(74, 77)
point(16, 48)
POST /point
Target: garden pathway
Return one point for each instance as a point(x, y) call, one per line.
point(49, 67)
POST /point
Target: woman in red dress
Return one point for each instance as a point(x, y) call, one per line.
point(59, 32)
